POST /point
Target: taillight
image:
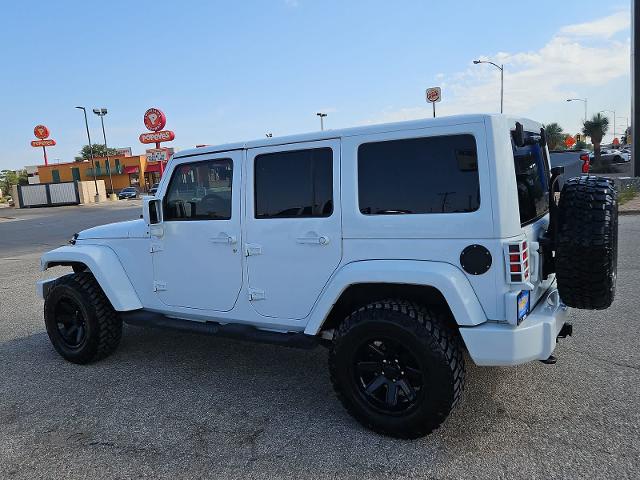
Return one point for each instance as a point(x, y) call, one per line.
point(517, 260)
point(585, 162)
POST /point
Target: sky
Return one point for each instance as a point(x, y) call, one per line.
point(233, 71)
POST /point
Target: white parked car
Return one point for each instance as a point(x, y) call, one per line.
point(399, 246)
point(611, 155)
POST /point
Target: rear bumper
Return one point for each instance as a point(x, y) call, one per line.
point(495, 344)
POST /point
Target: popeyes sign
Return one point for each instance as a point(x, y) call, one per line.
point(155, 120)
point(42, 134)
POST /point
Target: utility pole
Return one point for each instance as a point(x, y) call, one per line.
point(321, 115)
point(101, 112)
point(614, 120)
point(93, 163)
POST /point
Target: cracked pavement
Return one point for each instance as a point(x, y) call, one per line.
point(170, 405)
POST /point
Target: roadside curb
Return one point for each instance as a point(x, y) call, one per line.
point(634, 211)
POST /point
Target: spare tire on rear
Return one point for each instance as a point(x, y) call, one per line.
point(587, 243)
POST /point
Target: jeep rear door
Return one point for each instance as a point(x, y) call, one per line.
point(293, 225)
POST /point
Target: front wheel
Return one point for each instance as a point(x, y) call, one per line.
point(397, 368)
point(81, 323)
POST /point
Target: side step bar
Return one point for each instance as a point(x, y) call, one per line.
point(143, 318)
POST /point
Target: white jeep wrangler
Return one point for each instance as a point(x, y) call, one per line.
point(401, 246)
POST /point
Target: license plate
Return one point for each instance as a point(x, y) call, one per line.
point(523, 304)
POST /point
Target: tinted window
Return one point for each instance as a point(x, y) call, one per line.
point(200, 191)
point(419, 175)
point(531, 178)
point(294, 184)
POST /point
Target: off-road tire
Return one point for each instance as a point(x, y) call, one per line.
point(103, 324)
point(425, 333)
point(587, 243)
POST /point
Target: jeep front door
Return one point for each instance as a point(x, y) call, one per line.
point(293, 225)
point(196, 254)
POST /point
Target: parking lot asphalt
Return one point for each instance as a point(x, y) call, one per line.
point(170, 405)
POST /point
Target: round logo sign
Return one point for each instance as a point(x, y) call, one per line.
point(154, 119)
point(41, 132)
point(433, 94)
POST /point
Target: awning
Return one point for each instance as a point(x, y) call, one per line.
point(153, 167)
point(129, 170)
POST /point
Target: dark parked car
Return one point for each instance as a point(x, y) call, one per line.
point(153, 189)
point(128, 193)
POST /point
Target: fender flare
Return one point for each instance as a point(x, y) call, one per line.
point(448, 279)
point(105, 267)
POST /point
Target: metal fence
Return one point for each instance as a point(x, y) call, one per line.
point(48, 194)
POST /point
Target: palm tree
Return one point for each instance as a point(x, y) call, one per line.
point(596, 129)
point(555, 135)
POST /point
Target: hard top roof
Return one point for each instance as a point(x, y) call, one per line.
point(345, 132)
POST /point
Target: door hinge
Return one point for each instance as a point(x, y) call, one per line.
point(255, 294)
point(155, 248)
point(251, 249)
point(159, 286)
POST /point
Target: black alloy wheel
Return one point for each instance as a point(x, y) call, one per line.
point(388, 376)
point(81, 323)
point(398, 367)
point(71, 322)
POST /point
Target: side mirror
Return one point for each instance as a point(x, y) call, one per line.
point(152, 210)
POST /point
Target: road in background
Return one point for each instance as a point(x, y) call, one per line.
point(174, 405)
point(30, 230)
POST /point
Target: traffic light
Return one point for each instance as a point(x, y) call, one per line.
point(578, 137)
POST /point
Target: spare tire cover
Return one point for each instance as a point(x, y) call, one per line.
point(587, 243)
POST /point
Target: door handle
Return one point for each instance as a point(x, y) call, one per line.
point(314, 240)
point(224, 238)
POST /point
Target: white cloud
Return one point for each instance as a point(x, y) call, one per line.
point(562, 68)
point(605, 27)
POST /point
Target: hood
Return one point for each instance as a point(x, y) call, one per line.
point(128, 229)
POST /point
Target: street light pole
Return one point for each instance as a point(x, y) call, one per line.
point(321, 115)
point(93, 163)
point(580, 100)
point(501, 68)
point(101, 112)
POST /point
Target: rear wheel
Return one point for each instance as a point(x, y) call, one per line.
point(587, 243)
point(81, 323)
point(397, 368)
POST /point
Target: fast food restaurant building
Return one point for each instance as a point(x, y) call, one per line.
point(125, 171)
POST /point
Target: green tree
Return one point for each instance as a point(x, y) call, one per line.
point(8, 178)
point(99, 150)
point(596, 128)
point(555, 136)
point(581, 145)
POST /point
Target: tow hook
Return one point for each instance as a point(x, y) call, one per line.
point(566, 331)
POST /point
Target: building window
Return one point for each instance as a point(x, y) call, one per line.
point(107, 166)
point(55, 176)
point(419, 175)
point(97, 167)
point(75, 173)
point(200, 191)
point(294, 184)
point(118, 167)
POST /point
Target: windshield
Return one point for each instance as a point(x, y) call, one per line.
point(532, 179)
